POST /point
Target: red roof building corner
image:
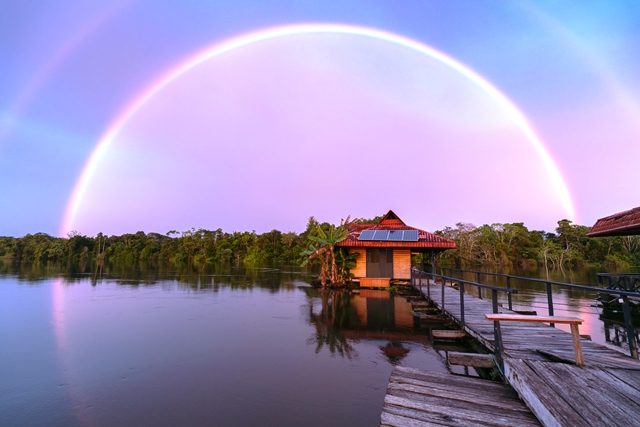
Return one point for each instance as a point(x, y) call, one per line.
point(626, 223)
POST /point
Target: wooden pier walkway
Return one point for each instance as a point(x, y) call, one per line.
point(538, 365)
point(420, 398)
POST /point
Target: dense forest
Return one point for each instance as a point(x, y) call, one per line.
point(505, 245)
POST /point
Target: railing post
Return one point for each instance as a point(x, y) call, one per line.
point(509, 293)
point(631, 336)
point(433, 279)
point(497, 333)
point(462, 304)
point(550, 301)
point(443, 283)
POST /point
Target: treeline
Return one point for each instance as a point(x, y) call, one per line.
point(192, 247)
point(511, 245)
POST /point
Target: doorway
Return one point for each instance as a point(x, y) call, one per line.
point(380, 262)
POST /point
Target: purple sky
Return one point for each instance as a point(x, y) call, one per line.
point(329, 124)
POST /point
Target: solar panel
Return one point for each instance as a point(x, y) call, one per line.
point(390, 235)
point(366, 235)
point(396, 235)
point(381, 235)
point(410, 236)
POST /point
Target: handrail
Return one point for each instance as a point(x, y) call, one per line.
point(624, 296)
point(494, 289)
point(461, 282)
point(566, 285)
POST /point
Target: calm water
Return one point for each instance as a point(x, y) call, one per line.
point(219, 347)
point(254, 347)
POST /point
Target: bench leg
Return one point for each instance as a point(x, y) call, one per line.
point(577, 346)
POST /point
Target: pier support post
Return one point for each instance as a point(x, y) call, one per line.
point(462, 304)
point(631, 337)
point(497, 333)
point(550, 301)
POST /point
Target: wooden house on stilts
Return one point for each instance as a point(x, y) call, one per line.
point(385, 249)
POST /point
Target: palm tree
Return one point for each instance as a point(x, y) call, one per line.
point(323, 249)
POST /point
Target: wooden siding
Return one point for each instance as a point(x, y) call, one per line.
point(374, 282)
point(376, 294)
point(360, 270)
point(402, 263)
point(402, 311)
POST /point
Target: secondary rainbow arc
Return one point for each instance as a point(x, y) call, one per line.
point(291, 30)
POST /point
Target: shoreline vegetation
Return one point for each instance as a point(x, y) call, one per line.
point(495, 245)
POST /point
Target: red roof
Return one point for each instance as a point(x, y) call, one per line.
point(625, 223)
point(392, 222)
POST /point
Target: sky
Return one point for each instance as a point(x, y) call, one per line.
point(132, 115)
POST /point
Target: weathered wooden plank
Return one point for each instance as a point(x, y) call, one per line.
point(498, 400)
point(618, 391)
point(630, 377)
point(471, 359)
point(546, 405)
point(393, 416)
point(448, 333)
point(469, 398)
point(430, 317)
point(599, 391)
point(399, 416)
point(475, 413)
point(555, 355)
point(449, 379)
point(586, 400)
point(421, 303)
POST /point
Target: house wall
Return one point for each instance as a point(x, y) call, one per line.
point(360, 270)
point(401, 264)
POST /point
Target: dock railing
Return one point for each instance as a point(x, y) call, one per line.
point(418, 275)
point(622, 288)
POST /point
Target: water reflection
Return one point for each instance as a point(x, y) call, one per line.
point(342, 317)
point(333, 317)
point(223, 347)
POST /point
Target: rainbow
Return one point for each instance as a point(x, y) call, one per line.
point(292, 30)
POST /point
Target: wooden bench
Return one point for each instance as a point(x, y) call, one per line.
point(572, 321)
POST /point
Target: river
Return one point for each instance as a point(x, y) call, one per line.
point(221, 346)
point(235, 348)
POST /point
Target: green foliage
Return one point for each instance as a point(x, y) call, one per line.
point(323, 250)
point(489, 245)
point(514, 245)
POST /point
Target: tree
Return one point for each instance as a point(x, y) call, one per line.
point(323, 250)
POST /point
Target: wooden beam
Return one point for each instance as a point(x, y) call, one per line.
point(448, 333)
point(474, 360)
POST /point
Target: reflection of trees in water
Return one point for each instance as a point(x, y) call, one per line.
point(209, 277)
point(333, 316)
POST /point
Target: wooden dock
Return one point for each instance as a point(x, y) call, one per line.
point(539, 365)
point(419, 398)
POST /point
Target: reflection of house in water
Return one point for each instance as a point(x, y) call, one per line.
point(385, 249)
point(370, 315)
point(379, 310)
point(383, 316)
